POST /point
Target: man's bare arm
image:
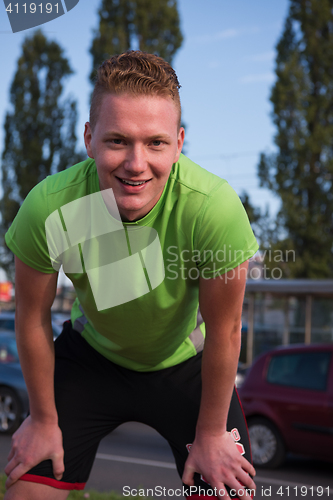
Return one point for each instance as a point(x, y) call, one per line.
point(39, 437)
point(213, 453)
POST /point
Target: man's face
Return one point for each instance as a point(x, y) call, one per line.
point(134, 143)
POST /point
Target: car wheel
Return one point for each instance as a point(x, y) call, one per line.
point(268, 449)
point(10, 411)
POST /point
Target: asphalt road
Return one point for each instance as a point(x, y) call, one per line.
point(135, 457)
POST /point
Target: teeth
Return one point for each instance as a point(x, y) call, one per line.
point(133, 183)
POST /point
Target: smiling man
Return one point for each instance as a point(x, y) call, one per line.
point(134, 143)
point(174, 227)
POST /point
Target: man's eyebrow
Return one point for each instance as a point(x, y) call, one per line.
point(157, 137)
point(117, 135)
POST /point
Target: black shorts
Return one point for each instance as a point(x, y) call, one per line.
point(94, 396)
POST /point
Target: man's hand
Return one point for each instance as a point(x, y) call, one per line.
point(218, 460)
point(32, 443)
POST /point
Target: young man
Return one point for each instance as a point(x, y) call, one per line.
point(146, 236)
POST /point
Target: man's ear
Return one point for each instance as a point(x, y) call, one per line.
point(88, 139)
point(180, 142)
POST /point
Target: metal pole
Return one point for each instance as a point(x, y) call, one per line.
point(286, 336)
point(250, 330)
point(308, 315)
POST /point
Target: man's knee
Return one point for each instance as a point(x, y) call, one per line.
point(23, 490)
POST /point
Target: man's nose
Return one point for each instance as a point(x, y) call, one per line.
point(137, 160)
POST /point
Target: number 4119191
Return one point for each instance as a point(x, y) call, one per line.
point(303, 491)
point(32, 8)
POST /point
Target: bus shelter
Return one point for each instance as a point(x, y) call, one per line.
point(282, 312)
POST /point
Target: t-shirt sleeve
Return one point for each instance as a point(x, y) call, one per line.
point(26, 236)
point(225, 238)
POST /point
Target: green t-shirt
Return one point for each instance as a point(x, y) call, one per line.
point(137, 284)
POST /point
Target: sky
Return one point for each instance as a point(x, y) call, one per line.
point(225, 67)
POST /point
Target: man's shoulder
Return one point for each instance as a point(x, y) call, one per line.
point(193, 189)
point(63, 187)
point(193, 177)
point(70, 179)
point(199, 193)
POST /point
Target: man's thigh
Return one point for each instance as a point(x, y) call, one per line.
point(21, 490)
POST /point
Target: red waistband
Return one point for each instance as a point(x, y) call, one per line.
point(61, 485)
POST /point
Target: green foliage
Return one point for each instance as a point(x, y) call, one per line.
point(39, 129)
point(301, 172)
point(95, 495)
point(146, 25)
point(261, 222)
point(2, 485)
point(253, 213)
point(77, 495)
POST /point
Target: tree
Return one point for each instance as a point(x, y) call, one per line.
point(39, 130)
point(261, 221)
point(301, 172)
point(148, 25)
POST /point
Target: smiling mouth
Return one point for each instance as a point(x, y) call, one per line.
point(133, 183)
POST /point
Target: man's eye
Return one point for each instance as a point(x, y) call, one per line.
point(116, 141)
point(156, 143)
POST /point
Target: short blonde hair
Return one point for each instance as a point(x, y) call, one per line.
point(137, 73)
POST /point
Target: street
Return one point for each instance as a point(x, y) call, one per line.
point(135, 456)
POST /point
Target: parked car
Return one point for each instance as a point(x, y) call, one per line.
point(14, 403)
point(7, 322)
point(287, 398)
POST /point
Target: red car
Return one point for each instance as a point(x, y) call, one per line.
point(287, 398)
